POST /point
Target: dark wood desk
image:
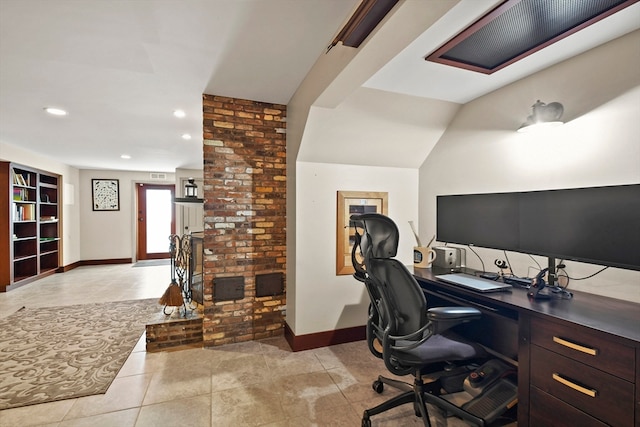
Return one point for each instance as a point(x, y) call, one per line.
point(578, 359)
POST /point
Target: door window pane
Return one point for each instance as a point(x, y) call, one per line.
point(158, 220)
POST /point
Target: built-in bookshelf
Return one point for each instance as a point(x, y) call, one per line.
point(30, 244)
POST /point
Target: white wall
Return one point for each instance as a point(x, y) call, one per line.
point(69, 191)
point(376, 128)
point(324, 301)
point(333, 77)
point(111, 234)
point(598, 145)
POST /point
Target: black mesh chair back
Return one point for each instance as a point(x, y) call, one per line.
point(404, 297)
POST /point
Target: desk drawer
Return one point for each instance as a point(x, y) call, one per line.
point(594, 392)
point(547, 410)
point(585, 345)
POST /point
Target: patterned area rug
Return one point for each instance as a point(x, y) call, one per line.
point(56, 353)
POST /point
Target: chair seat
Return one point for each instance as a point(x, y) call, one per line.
point(438, 348)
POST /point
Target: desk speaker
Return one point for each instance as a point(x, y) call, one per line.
point(450, 257)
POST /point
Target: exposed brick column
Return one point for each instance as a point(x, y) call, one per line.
point(244, 208)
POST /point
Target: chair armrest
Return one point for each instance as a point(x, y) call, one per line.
point(444, 318)
point(450, 313)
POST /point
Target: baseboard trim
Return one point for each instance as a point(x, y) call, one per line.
point(69, 267)
point(82, 263)
point(323, 339)
point(106, 261)
point(28, 280)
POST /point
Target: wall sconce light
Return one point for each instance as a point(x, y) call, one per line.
point(190, 193)
point(542, 116)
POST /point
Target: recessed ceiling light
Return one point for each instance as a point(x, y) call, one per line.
point(179, 113)
point(186, 136)
point(55, 111)
point(125, 156)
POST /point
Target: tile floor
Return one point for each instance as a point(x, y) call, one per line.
point(259, 383)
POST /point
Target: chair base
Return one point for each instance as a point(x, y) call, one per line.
point(404, 398)
point(419, 393)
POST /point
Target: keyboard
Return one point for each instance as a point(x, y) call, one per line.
point(474, 283)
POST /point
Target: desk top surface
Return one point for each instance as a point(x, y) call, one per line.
point(613, 316)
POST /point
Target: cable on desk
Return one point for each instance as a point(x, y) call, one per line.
point(481, 262)
point(509, 263)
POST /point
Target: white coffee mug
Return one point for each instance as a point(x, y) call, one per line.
point(423, 256)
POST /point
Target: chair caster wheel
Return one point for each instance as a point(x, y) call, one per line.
point(378, 386)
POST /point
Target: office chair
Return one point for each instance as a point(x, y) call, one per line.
point(410, 338)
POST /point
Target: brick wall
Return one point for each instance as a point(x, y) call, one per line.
point(244, 209)
point(174, 333)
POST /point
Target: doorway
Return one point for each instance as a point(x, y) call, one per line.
point(156, 220)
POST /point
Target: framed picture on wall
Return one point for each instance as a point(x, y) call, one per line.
point(105, 194)
point(349, 203)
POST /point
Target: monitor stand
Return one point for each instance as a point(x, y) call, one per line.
point(539, 283)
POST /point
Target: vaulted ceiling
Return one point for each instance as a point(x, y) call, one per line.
point(121, 68)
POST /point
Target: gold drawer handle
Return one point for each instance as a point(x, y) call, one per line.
point(574, 346)
point(583, 390)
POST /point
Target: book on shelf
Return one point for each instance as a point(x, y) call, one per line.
point(18, 178)
point(21, 194)
point(24, 212)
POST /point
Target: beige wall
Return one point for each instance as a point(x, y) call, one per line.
point(89, 235)
point(111, 234)
point(334, 77)
point(598, 145)
point(323, 300)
